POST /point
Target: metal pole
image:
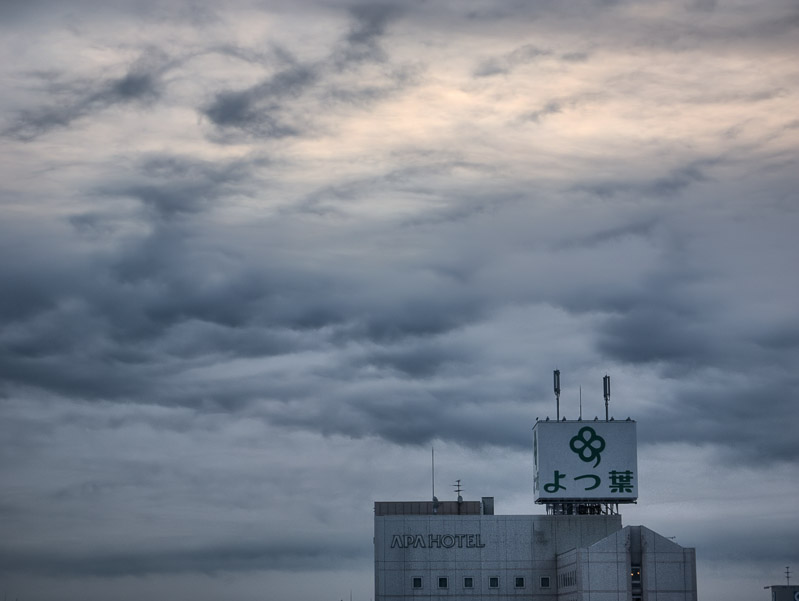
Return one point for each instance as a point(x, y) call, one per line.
point(556, 380)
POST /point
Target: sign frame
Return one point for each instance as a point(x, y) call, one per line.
point(581, 461)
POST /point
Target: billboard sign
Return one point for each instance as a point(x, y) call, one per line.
point(592, 461)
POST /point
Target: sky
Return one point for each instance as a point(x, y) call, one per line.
point(258, 258)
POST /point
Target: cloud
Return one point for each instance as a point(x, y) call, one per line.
point(258, 109)
point(575, 57)
point(506, 63)
point(362, 43)
point(169, 186)
point(264, 267)
point(79, 99)
point(662, 186)
point(551, 108)
point(277, 555)
point(283, 104)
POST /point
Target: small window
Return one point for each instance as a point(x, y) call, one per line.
point(635, 574)
point(519, 582)
point(544, 581)
point(468, 582)
point(493, 582)
point(443, 583)
point(417, 582)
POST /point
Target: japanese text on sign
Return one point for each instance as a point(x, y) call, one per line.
point(580, 460)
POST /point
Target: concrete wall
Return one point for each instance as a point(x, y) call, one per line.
point(508, 547)
point(604, 569)
point(668, 570)
point(585, 558)
point(785, 592)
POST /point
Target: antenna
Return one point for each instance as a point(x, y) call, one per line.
point(556, 380)
point(458, 490)
point(788, 574)
point(581, 402)
point(606, 386)
point(433, 459)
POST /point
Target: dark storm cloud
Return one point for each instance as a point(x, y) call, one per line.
point(168, 302)
point(653, 331)
point(732, 416)
point(78, 99)
point(275, 555)
point(412, 416)
point(81, 316)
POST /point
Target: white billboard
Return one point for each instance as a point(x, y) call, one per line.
point(593, 461)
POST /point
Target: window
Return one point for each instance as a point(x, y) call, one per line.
point(519, 582)
point(544, 581)
point(493, 582)
point(443, 583)
point(635, 575)
point(468, 582)
point(417, 582)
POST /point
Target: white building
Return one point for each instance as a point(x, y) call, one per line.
point(579, 551)
point(426, 556)
point(784, 592)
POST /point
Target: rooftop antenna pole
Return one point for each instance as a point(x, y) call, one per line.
point(433, 460)
point(788, 574)
point(581, 402)
point(606, 386)
point(556, 379)
point(459, 490)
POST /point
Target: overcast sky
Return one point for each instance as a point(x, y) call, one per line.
point(256, 260)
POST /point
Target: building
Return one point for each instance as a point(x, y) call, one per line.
point(784, 592)
point(578, 551)
point(473, 555)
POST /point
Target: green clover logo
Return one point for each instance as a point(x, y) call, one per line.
point(588, 445)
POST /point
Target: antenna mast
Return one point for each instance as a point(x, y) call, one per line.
point(433, 460)
point(606, 386)
point(556, 379)
point(433, 480)
point(458, 490)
